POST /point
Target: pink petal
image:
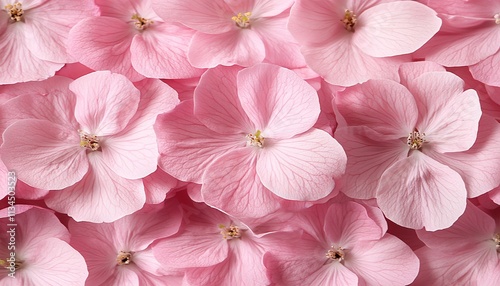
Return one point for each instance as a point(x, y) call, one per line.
point(485, 70)
point(213, 17)
point(105, 102)
point(367, 159)
point(65, 266)
point(302, 167)
point(449, 116)
point(103, 48)
point(44, 154)
point(156, 98)
point(269, 8)
point(217, 105)
point(395, 28)
point(187, 146)
point(17, 62)
point(410, 71)
point(236, 47)
point(161, 52)
point(101, 196)
point(478, 166)
point(157, 185)
point(124, 10)
point(389, 261)
point(332, 274)
point(419, 192)
point(385, 106)
point(277, 100)
point(231, 185)
point(349, 224)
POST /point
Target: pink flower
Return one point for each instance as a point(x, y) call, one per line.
point(119, 253)
point(340, 244)
point(349, 42)
point(92, 140)
point(43, 255)
point(214, 249)
point(418, 147)
point(467, 252)
point(250, 141)
point(129, 38)
point(233, 32)
point(33, 36)
point(470, 36)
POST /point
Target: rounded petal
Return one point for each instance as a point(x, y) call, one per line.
point(419, 192)
point(486, 69)
point(277, 100)
point(302, 167)
point(410, 71)
point(105, 102)
point(395, 28)
point(45, 155)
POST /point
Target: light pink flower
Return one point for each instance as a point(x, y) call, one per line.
point(93, 142)
point(119, 253)
point(214, 249)
point(418, 147)
point(129, 38)
point(470, 36)
point(341, 244)
point(33, 36)
point(465, 254)
point(233, 32)
point(348, 42)
point(43, 255)
point(250, 141)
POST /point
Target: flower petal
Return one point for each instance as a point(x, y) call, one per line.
point(277, 100)
point(302, 167)
point(486, 69)
point(419, 192)
point(45, 155)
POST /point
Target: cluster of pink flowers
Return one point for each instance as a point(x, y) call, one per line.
point(250, 142)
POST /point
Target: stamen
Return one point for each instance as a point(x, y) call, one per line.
point(336, 253)
point(242, 20)
point(229, 232)
point(7, 264)
point(256, 139)
point(140, 22)
point(416, 140)
point(496, 239)
point(88, 141)
point(15, 11)
point(497, 18)
point(349, 20)
point(124, 258)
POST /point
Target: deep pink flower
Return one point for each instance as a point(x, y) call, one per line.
point(33, 36)
point(43, 255)
point(250, 141)
point(119, 253)
point(341, 244)
point(93, 141)
point(233, 32)
point(349, 42)
point(418, 147)
point(465, 254)
point(129, 38)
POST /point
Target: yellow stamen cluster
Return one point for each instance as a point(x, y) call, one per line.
point(349, 20)
point(496, 239)
point(229, 232)
point(140, 22)
point(15, 11)
point(336, 253)
point(416, 140)
point(6, 264)
point(256, 139)
point(124, 258)
point(497, 18)
point(242, 20)
point(88, 141)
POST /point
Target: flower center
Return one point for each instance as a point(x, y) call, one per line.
point(230, 232)
point(15, 11)
point(256, 139)
point(336, 253)
point(124, 258)
point(497, 18)
point(242, 20)
point(416, 140)
point(349, 20)
point(496, 239)
point(8, 263)
point(88, 141)
point(141, 23)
